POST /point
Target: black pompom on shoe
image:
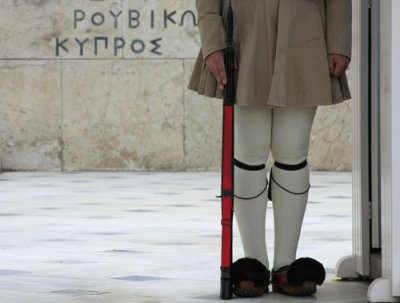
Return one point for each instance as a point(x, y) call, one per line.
point(299, 278)
point(250, 278)
point(306, 269)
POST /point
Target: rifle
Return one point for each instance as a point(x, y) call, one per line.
point(227, 175)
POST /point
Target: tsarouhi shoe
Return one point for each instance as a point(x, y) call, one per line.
point(299, 278)
point(250, 278)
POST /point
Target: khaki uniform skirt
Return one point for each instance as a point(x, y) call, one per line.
point(281, 47)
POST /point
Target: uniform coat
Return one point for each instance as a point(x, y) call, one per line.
point(284, 65)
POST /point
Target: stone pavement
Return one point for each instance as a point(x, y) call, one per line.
point(145, 237)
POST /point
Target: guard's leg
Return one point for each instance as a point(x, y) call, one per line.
point(290, 179)
point(250, 209)
point(289, 193)
point(252, 144)
point(252, 141)
point(290, 185)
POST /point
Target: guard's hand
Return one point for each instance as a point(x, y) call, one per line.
point(338, 64)
point(215, 63)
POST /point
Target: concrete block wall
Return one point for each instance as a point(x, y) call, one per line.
point(101, 85)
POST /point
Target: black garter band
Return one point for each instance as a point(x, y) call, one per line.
point(247, 166)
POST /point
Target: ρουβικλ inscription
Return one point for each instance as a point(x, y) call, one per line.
point(156, 22)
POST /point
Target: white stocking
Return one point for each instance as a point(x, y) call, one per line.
point(289, 208)
point(250, 213)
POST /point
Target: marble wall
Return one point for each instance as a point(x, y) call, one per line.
point(101, 85)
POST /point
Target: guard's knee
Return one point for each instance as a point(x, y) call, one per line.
point(287, 167)
point(251, 168)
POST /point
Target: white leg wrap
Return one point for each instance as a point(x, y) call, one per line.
point(250, 213)
point(289, 130)
point(289, 200)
